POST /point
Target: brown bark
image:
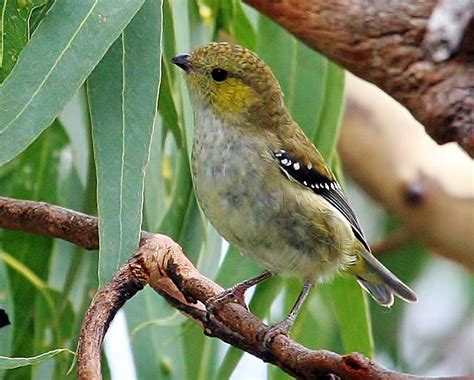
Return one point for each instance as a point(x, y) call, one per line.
point(161, 263)
point(382, 42)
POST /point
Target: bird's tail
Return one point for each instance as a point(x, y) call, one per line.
point(378, 281)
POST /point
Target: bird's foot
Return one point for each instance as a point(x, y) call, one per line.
point(235, 294)
point(282, 328)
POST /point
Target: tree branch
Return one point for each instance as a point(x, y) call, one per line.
point(382, 42)
point(430, 187)
point(161, 263)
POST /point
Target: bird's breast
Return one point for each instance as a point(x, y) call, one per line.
point(230, 171)
point(244, 194)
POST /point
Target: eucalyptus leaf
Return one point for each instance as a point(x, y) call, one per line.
point(122, 135)
point(17, 23)
point(32, 175)
point(300, 71)
point(36, 90)
point(327, 132)
point(10, 363)
point(157, 347)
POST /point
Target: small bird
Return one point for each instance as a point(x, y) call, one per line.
point(265, 187)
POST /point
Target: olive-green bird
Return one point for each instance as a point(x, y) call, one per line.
point(265, 187)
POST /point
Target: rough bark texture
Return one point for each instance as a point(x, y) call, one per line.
point(381, 41)
point(161, 263)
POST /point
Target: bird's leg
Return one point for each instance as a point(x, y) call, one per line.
point(284, 326)
point(237, 292)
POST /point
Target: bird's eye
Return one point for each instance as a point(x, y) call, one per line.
point(219, 75)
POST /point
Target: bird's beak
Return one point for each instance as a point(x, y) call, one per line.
point(183, 62)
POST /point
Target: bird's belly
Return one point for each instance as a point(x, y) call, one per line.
point(250, 203)
point(229, 187)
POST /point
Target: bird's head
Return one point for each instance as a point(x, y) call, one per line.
point(233, 81)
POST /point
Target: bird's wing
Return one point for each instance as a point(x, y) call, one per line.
point(324, 185)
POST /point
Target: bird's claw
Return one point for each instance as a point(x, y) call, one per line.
point(227, 296)
point(282, 328)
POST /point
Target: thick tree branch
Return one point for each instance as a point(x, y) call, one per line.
point(430, 187)
point(161, 263)
point(381, 41)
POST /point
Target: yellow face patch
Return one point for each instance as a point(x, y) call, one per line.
point(232, 96)
point(228, 98)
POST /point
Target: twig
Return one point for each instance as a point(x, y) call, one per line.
point(161, 263)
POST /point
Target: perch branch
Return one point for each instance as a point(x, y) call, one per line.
point(382, 42)
point(161, 263)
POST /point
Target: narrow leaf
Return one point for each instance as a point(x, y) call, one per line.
point(300, 71)
point(327, 132)
point(157, 346)
point(10, 363)
point(123, 95)
point(351, 310)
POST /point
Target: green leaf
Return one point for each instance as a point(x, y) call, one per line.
point(54, 64)
point(123, 96)
point(75, 118)
point(155, 201)
point(10, 363)
point(33, 175)
point(349, 303)
point(351, 311)
point(6, 303)
point(172, 224)
point(155, 336)
point(182, 35)
point(327, 132)
point(300, 71)
point(28, 274)
point(262, 300)
point(407, 262)
point(201, 364)
point(167, 109)
point(228, 276)
point(17, 23)
point(242, 28)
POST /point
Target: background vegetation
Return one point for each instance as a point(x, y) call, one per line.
point(82, 126)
